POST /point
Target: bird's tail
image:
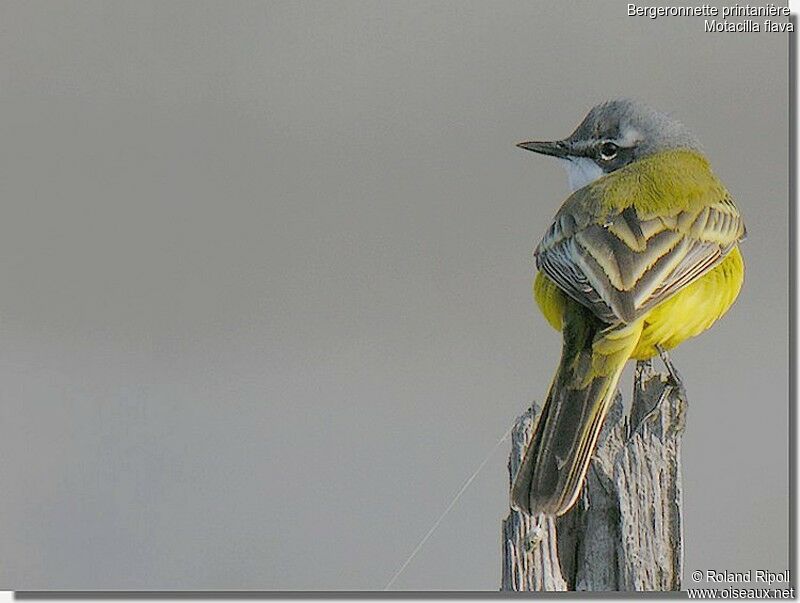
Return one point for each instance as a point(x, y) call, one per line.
point(553, 469)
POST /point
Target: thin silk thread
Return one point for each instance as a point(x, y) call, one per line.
point(448, 509)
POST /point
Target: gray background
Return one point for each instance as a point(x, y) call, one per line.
point(265, 273)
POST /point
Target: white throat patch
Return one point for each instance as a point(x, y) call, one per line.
point(581, 171)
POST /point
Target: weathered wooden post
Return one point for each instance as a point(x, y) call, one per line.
point(626, 532)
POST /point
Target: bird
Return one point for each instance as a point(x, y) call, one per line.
point(643, 255)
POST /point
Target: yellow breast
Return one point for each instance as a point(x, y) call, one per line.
point(686, 314)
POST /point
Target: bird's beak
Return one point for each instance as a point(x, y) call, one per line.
point(556, 148)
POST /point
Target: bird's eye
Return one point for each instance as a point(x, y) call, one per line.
point(608, 150)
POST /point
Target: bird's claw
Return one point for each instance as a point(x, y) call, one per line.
point(674, 376)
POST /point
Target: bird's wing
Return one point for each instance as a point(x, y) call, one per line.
point(622, 263)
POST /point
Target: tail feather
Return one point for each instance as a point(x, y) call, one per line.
point(554, 467)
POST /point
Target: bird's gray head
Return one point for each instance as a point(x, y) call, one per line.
point(612, 135)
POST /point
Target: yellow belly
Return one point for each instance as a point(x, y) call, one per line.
point(687, 313)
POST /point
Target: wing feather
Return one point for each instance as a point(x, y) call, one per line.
point(620, 265)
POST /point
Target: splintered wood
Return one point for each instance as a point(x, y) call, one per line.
point(625, 533)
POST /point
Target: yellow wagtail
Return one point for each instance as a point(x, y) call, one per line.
point(642, 255)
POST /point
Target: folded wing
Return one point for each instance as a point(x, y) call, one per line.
point(621, 264)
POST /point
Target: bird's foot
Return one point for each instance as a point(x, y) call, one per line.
point(674, 376)
point(644, 371)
